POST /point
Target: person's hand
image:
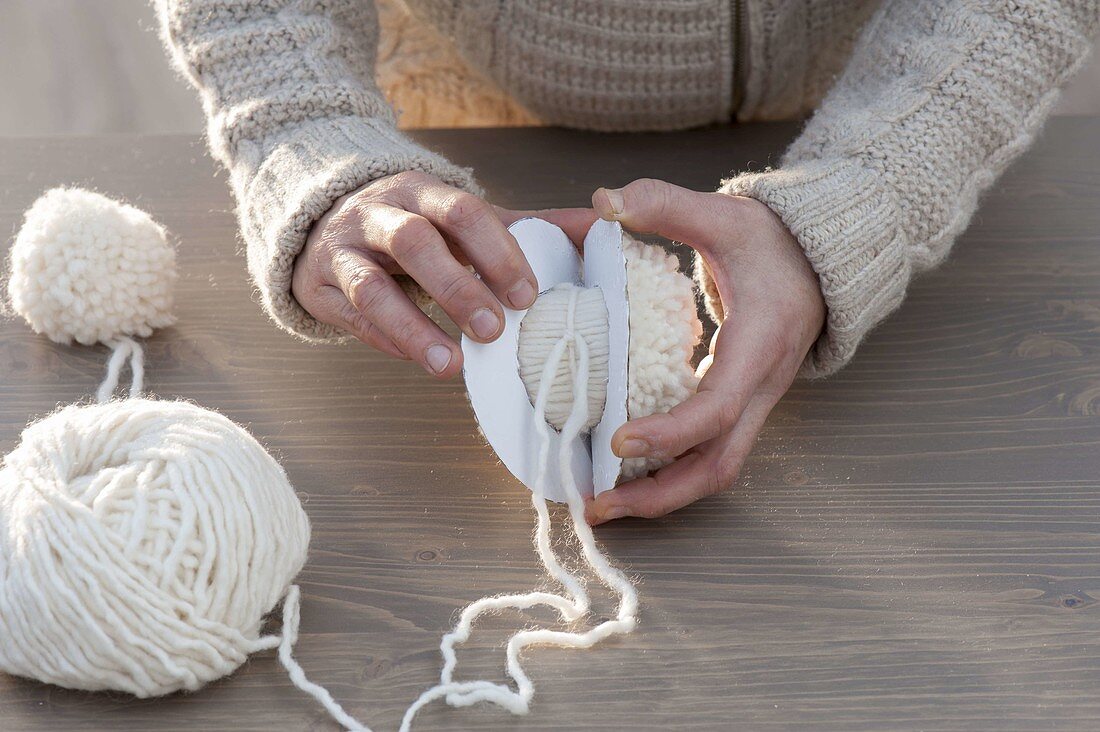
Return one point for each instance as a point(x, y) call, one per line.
point(773, 314)
point(414, 224)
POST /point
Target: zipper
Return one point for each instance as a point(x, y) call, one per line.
point(739, 43)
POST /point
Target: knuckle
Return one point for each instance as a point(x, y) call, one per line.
point(366, 289)
point(650, 189)
point(464, 212)
point(412, 237)
point(458, 290)
point(505, 269)
point(407, 331)
point(369, 332)
point(363, 328)
point(665, 439)
point(728, 411)
point(724, 474)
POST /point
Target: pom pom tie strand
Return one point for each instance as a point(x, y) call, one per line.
point(121, 348)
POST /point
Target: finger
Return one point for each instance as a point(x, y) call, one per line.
point(415, 244)
point(474, 228)
point(703, 472)
point(575, 222)
point(704, 366)
point(652, 206)
point(333, 303)
point(746, 352)
point(381, 304)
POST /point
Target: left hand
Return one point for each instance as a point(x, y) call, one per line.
point(774, 312)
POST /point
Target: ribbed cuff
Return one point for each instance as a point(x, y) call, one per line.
point(848, 225)
point(297, 182)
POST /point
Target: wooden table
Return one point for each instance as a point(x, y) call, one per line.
point(915, 543)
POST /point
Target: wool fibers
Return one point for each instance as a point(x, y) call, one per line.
point(87, 268)
point(141, 544)
point(664, 331)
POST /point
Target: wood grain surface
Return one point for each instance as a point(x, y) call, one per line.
point(915, 543)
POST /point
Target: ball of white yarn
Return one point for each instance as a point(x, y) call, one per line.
point(87, 268)
point(141, 544)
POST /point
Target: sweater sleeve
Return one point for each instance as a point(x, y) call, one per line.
point(295, 116)
point(938, 98)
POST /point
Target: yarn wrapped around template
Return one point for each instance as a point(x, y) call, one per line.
point(567, 345)
point(141, 541)
point(664, 332)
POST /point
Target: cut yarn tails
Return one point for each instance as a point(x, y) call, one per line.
point(572, 605)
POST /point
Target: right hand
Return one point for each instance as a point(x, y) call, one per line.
point(414, 224)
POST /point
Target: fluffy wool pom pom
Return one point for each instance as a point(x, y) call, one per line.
point(141, 544)
point(87, 268)
point(664, 331)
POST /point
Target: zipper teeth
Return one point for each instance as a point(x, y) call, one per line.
point(738, 54)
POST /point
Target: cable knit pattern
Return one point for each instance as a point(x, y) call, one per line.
point(934, 99)
point(938, 98)
point(428, 82)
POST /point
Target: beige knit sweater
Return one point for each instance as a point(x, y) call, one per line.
point(931, 100)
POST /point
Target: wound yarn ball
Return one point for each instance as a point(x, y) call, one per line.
point(664, 331)
point(141, 544)
point(87, 268)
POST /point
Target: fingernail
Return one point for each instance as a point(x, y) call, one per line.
point(521, 295)
point(484, 323)
point(438, 356)
point(633, 448)
point(615, 198)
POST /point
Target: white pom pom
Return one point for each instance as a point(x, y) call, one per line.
point(664, 331)
point(88, 268)
point(141, 544)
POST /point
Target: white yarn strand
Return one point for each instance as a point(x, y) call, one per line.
point(575, 604)
point(121, 348)
point(571, 606)
point(285, 643)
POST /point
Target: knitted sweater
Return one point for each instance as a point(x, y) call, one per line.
point(931, 100)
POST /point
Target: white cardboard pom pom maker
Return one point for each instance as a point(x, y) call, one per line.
point(499, 398)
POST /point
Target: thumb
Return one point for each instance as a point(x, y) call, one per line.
point(650, 206)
